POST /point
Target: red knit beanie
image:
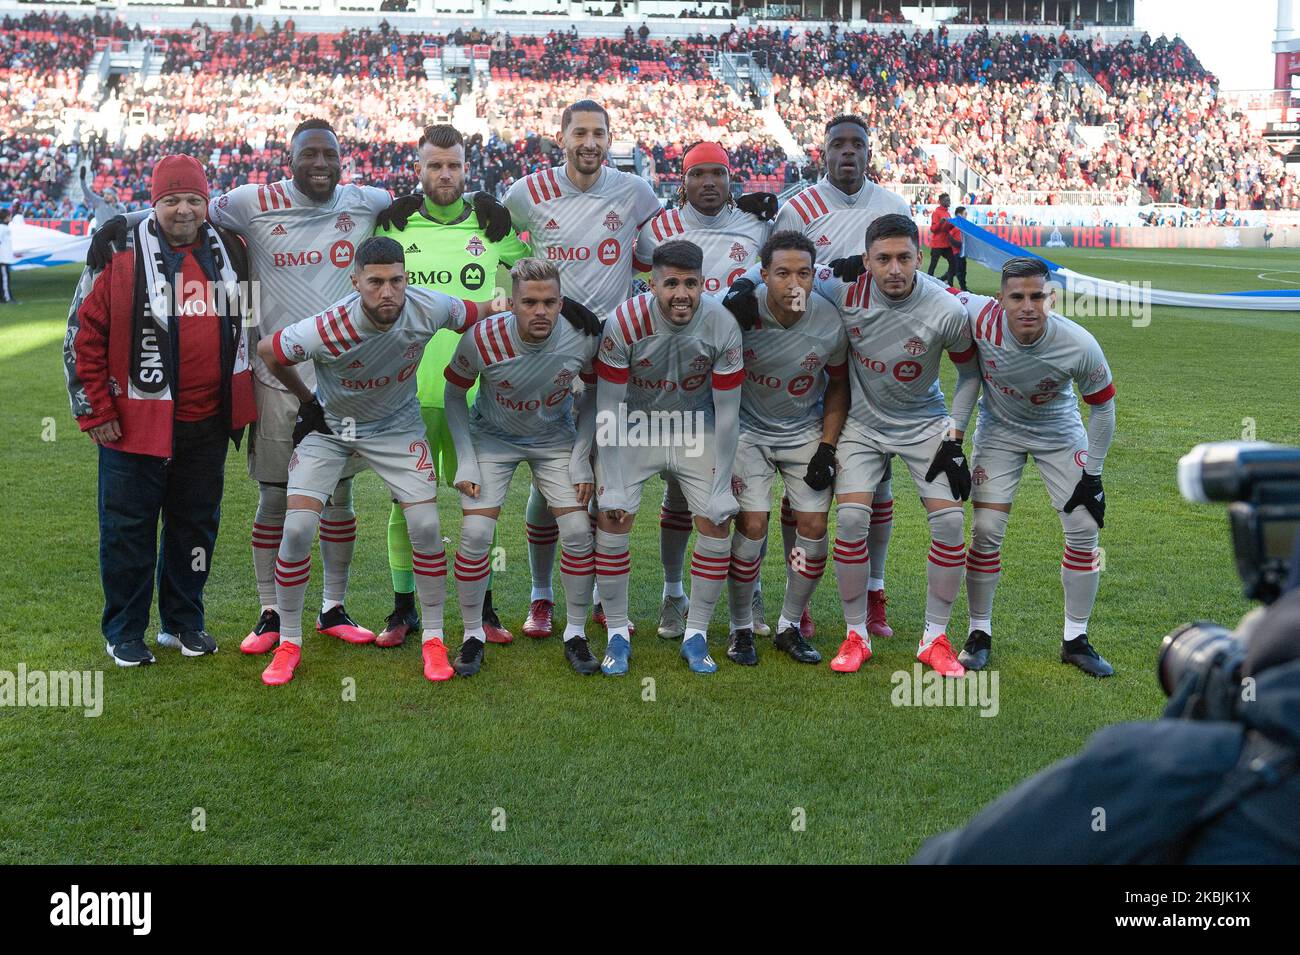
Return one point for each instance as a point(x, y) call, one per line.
point(177, 173)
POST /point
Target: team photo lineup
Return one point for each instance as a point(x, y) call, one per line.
point(875, 386)
point(803, 341)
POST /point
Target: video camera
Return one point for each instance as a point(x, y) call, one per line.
point(1199, 663)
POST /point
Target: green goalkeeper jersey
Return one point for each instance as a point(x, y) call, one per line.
point(446, 251)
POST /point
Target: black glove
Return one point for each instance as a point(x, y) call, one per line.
point(399, 212)
point(761, 204)
point(579, 316)
point(82, 173)
point(951, 460)
point(106, 240)
point(1090, 494)
point(742, 303)
point(311, 417)
point(849, 268)
point(493, 217)
point(821, 469)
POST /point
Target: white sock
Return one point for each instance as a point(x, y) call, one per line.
point(543, 593)
point(985, 624)
point(784, 623)
point(432, 633)
point(932, 632)
point(875, 583)
point(327, 605)
point(690, 633)
point(571, 631)
point(674, 588)
point(1074, 629)
point(474, 633)
point(595, 594)
point(266, 607)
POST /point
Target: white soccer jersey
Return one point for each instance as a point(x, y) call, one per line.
point(786, 371)
point(525, 391)
point(299, 251)
point(590, 236)
point(669, 367)
point(836, 223)
point(895, 348)
point(365, 378)
point(730, 241)
point(1028, 401)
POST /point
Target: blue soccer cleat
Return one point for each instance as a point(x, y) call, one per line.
point(617, 653)
point(695, 651)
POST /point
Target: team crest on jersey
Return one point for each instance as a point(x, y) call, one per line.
point(738, 252)
point(344, 223)
point(475, 246)
point(812, 362)
point(411, 351)
point(822, 241)
point(700, 362)
point(607, 344)
point(979, 475)
point(737, 484)
point(223, 202)
point(278, 230)
point(1098, 374)
point(914, 346)
point(293, 460)
point(356, 363)
point(733, 355)
point(299, 352)
point(551, 224)
point(564, 378)
point(644, 363)
point(1046, 385)
point(612, 222)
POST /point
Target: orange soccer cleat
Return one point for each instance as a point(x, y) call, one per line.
point(283, 664)
point(940, 656)
point(854, 652)
point(263, 637)
point(336, 622)
point(436, 667)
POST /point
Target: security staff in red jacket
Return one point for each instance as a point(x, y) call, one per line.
point(158, 372)
point(940, 244)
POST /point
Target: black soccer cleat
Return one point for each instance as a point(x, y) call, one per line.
point(1080, 653)
point(975, 654)
point(470, 659)
point(791, 642)
point(578, 653)
point(130, 653)
point(740, 648)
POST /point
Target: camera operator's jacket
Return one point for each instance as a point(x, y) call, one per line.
point(111, 377)
point(1152, 781)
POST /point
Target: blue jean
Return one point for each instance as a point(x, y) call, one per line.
point(135, 490)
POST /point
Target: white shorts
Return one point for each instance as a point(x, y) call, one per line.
point(995, 472)
point(864, 463)
point(497, 460)
point(756, 469)
point(693, 471)
point(270, 439)
point(400, 458)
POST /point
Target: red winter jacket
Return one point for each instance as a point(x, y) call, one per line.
point(101, 348)
point(939, 228)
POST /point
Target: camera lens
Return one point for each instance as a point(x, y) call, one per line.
point(1192, 648)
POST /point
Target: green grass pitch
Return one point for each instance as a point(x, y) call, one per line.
point(604, 770)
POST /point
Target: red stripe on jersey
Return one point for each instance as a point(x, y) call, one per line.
point(491, 335)
point(481, 345)
point(505, 338)
point(982, 319)
point(621, 315)
point(997, 321)
point(677, 221)
point(332, 322)
point(347, 323)
point(643, 306)
point(284, 196)
point(532, 189)
point(1100, 397)
point(555, 183)
point(617, 376)
point(280, 356)
point(460, 381)
point(728, 381)
point(819, 202)
point(798, 203)
point(261, 197)
point(961, 356)
point(324, 336)
point(654, 228)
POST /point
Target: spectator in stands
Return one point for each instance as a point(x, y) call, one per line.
point(104, 206)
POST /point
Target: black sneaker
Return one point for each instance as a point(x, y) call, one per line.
point(578, 653)
point(470, 658)
point(1079, 652)
point(740, 649)
point(975, 654)
point(130, 653)
point(191, 643)
point(791, 642)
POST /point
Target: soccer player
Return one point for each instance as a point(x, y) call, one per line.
point(668, 402)
point(793, 404)
point(372, 338)
point(1029, 356)
point(897, 328)
point(835, 213)
point(529, 366)
point(583, 216)
point(449, 248)
point(729, 232)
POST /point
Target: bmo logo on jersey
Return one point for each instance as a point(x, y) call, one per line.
point(340, 254)
point(607, 253)
point(906, 371)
